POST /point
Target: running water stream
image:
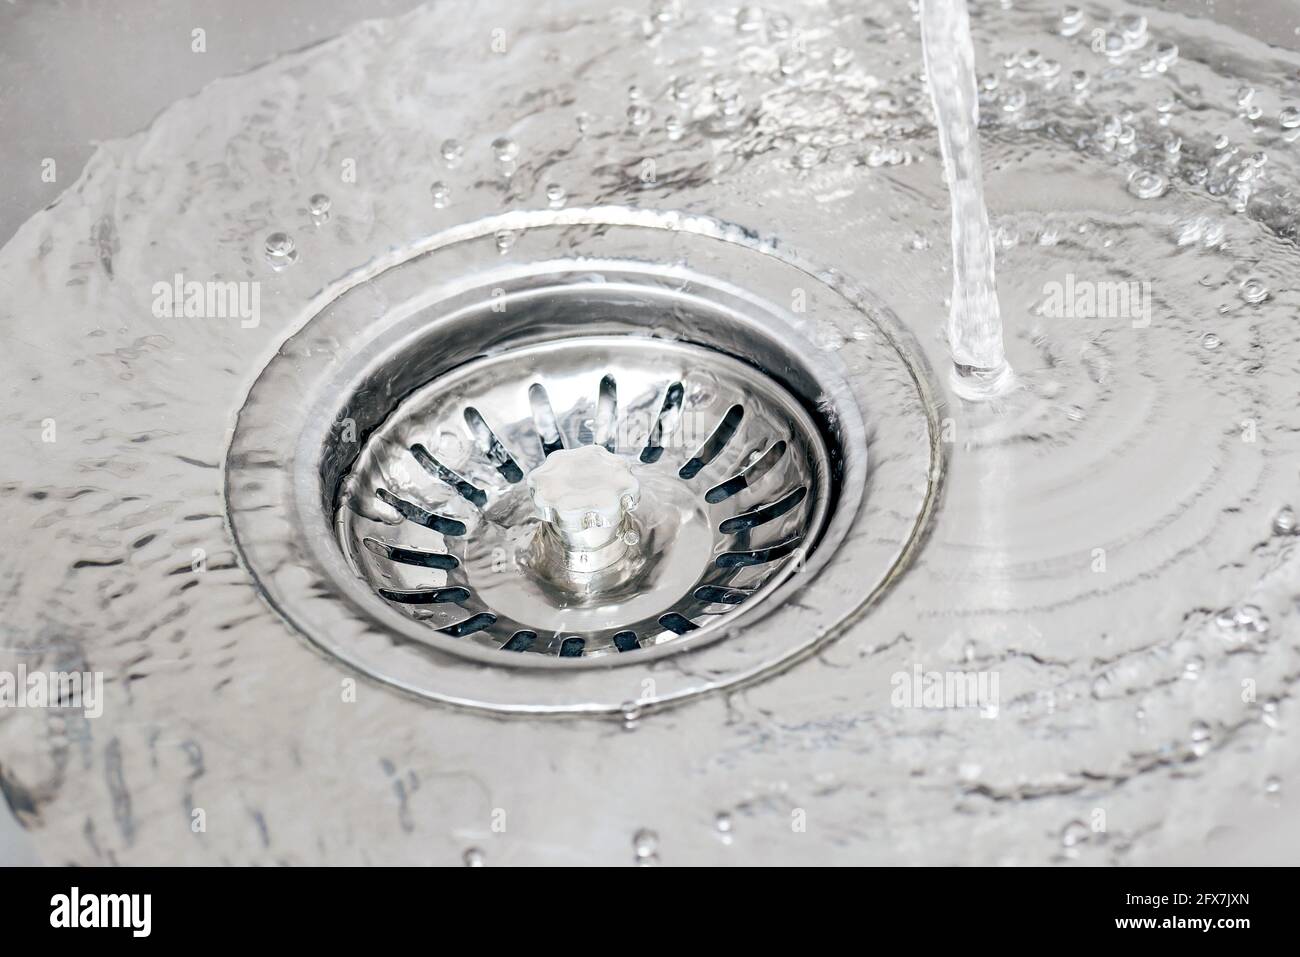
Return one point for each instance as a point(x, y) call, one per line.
point(974, 323)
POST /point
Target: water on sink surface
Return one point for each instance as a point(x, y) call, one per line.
point(1114, 541)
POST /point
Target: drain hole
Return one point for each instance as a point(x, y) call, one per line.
point(669, 414)
point(758, 556)
point(520, 641)
point(764, 513)
point(465, 489)
point(715, 443)
point(606, 413)
point(572, 647)
point(492, 447)
point(470, 625)
point(677, 624)
point(548, 429)
point(626, 641)
point(426, 596)
point(411, 556)
point(413, 513)
point(738, 483)
point(720, 595)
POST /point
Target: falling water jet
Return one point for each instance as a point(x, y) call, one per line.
point(980, 368)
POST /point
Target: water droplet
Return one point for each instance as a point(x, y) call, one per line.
point(505, 149)
point(1284, 522)
point(1193, 667)
point(1166, 53)
point(1079, 79)
point(666, 11)
point(1200, 738)
point(505, 238)
point(452, 152)
point(722, 822)
point(749, 19)
point(319, 207)
point(631, 715)
point(1210, 341)
point(1071, 21)
point(645, 844)
point(440, 193)
point(638, 114)
point(673, 127)
point(473, 857)
point(1289, 118)
point(583, 121)
point(1272, 784)
point(556, 196)
point(1253, 290)
point(1074, 834)
point(281, 251)
point(808, 156)
point(1147, 184)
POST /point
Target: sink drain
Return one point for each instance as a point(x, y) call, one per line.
point(587, 496)
point(523, 483)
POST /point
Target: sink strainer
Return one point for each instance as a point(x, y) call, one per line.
point(586, 496)
point(589, 476)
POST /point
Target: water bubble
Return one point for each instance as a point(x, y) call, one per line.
point(638, 114)
point(1284, 522)
point(281, 251)
point(1071, 21)
point(1133, 26)
point(505, 238)
point(473, 857)
point(1147, 184)
point(505, 149)
point(631, 715)
point(1210, 341)
point(1253, 290)
point(319, 206)
point(666, 11)
point(808, 156)
point(452, 152)
point(1289, 118)
point(645, 844)
point(1200, 738)
point(556, 196)
point(1074, 834)
point(440, 193)
point(749, 19)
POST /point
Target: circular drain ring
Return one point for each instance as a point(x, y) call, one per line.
point(275, 466)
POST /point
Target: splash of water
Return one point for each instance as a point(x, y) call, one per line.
point(974, 322)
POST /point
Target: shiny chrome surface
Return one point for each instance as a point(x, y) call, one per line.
point(727, 473)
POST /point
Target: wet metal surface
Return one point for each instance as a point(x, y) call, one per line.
point(1109, 550)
